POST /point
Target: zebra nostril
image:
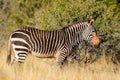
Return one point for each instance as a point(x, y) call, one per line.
point(96, 46)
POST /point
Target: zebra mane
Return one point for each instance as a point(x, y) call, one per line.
point(68, 26)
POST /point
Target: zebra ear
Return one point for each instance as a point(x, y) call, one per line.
point(91, 20)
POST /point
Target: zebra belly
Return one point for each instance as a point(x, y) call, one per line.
point(43, 55)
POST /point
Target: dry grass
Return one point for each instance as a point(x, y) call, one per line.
point(45, 69)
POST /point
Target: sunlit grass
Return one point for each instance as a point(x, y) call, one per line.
point(45, 69)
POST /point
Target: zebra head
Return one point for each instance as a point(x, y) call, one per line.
point(89, 34)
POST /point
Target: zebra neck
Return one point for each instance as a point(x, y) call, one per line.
point(74, 33)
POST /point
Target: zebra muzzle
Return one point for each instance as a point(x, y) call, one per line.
point(95, 40)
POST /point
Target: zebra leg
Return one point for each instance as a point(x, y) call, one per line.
point(20, 54)
point(73, 57)
point(60, 59)
point(86, 55)
point(20, 57)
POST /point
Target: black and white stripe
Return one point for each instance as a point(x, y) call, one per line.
point(56, 43)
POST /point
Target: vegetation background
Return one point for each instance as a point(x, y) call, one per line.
point(55, 14)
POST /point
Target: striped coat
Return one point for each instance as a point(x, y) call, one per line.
point(56, 43)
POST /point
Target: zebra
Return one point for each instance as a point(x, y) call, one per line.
point(51, 44)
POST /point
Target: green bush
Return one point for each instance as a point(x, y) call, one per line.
point(55, 14)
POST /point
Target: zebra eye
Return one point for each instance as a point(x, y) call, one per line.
point(90, 35)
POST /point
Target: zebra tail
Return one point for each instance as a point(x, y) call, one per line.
point(9, 53)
